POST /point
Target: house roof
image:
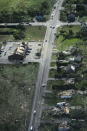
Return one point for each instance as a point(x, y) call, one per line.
point(63, 129)
point(72, 49)
point(66, 94)
point(21, 49)
point(70, 68)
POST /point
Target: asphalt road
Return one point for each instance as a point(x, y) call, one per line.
point(24, 23)
point(44, 68)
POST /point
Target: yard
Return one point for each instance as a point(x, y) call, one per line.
point(63, 43)
point(83, 19)
point(78, 7)
point(47, 127)
point(17, 86)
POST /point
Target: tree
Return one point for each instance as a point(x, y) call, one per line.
point(18, 34)
point(63, 16)
point(70, 33)
point(83, 31)
point(21, 26)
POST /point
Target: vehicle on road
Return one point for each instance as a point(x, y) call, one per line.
point(31, 128)
point(30, 24)
point(53, 27)
point(29, 49)
point(5, 24)
point(43, 85)
point(34, 112)
point(54, 7)
point(27, 22)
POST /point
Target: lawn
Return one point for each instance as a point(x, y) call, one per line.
point(17, 85)
point(31, 33)
point(6, 34)
point(54, 56)
point(76, 100)
point(62, 43)
point(6, 38)
point(53, 64)
point(36, 33)
point(83, 19)
point(53, 72)
point(47, 127)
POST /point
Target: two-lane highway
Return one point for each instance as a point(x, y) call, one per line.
point(44, 68)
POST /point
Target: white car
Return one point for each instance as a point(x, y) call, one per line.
point(61, 104)
point(34, 112)
point(31, 128)
point(43, 85)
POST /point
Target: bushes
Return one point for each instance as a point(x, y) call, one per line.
point(18, 34)
point(78, 114)
point(80, 9)
point(63, 16)
point(24, 11)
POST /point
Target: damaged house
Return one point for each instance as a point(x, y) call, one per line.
point(20, 52)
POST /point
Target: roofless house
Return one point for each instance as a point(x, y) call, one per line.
point(20, 52)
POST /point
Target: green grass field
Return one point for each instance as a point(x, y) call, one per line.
point(17, 86)
point(6, 38)
point(62, 43)
point(19, 5)
point(83, 19)
point(36, 33)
